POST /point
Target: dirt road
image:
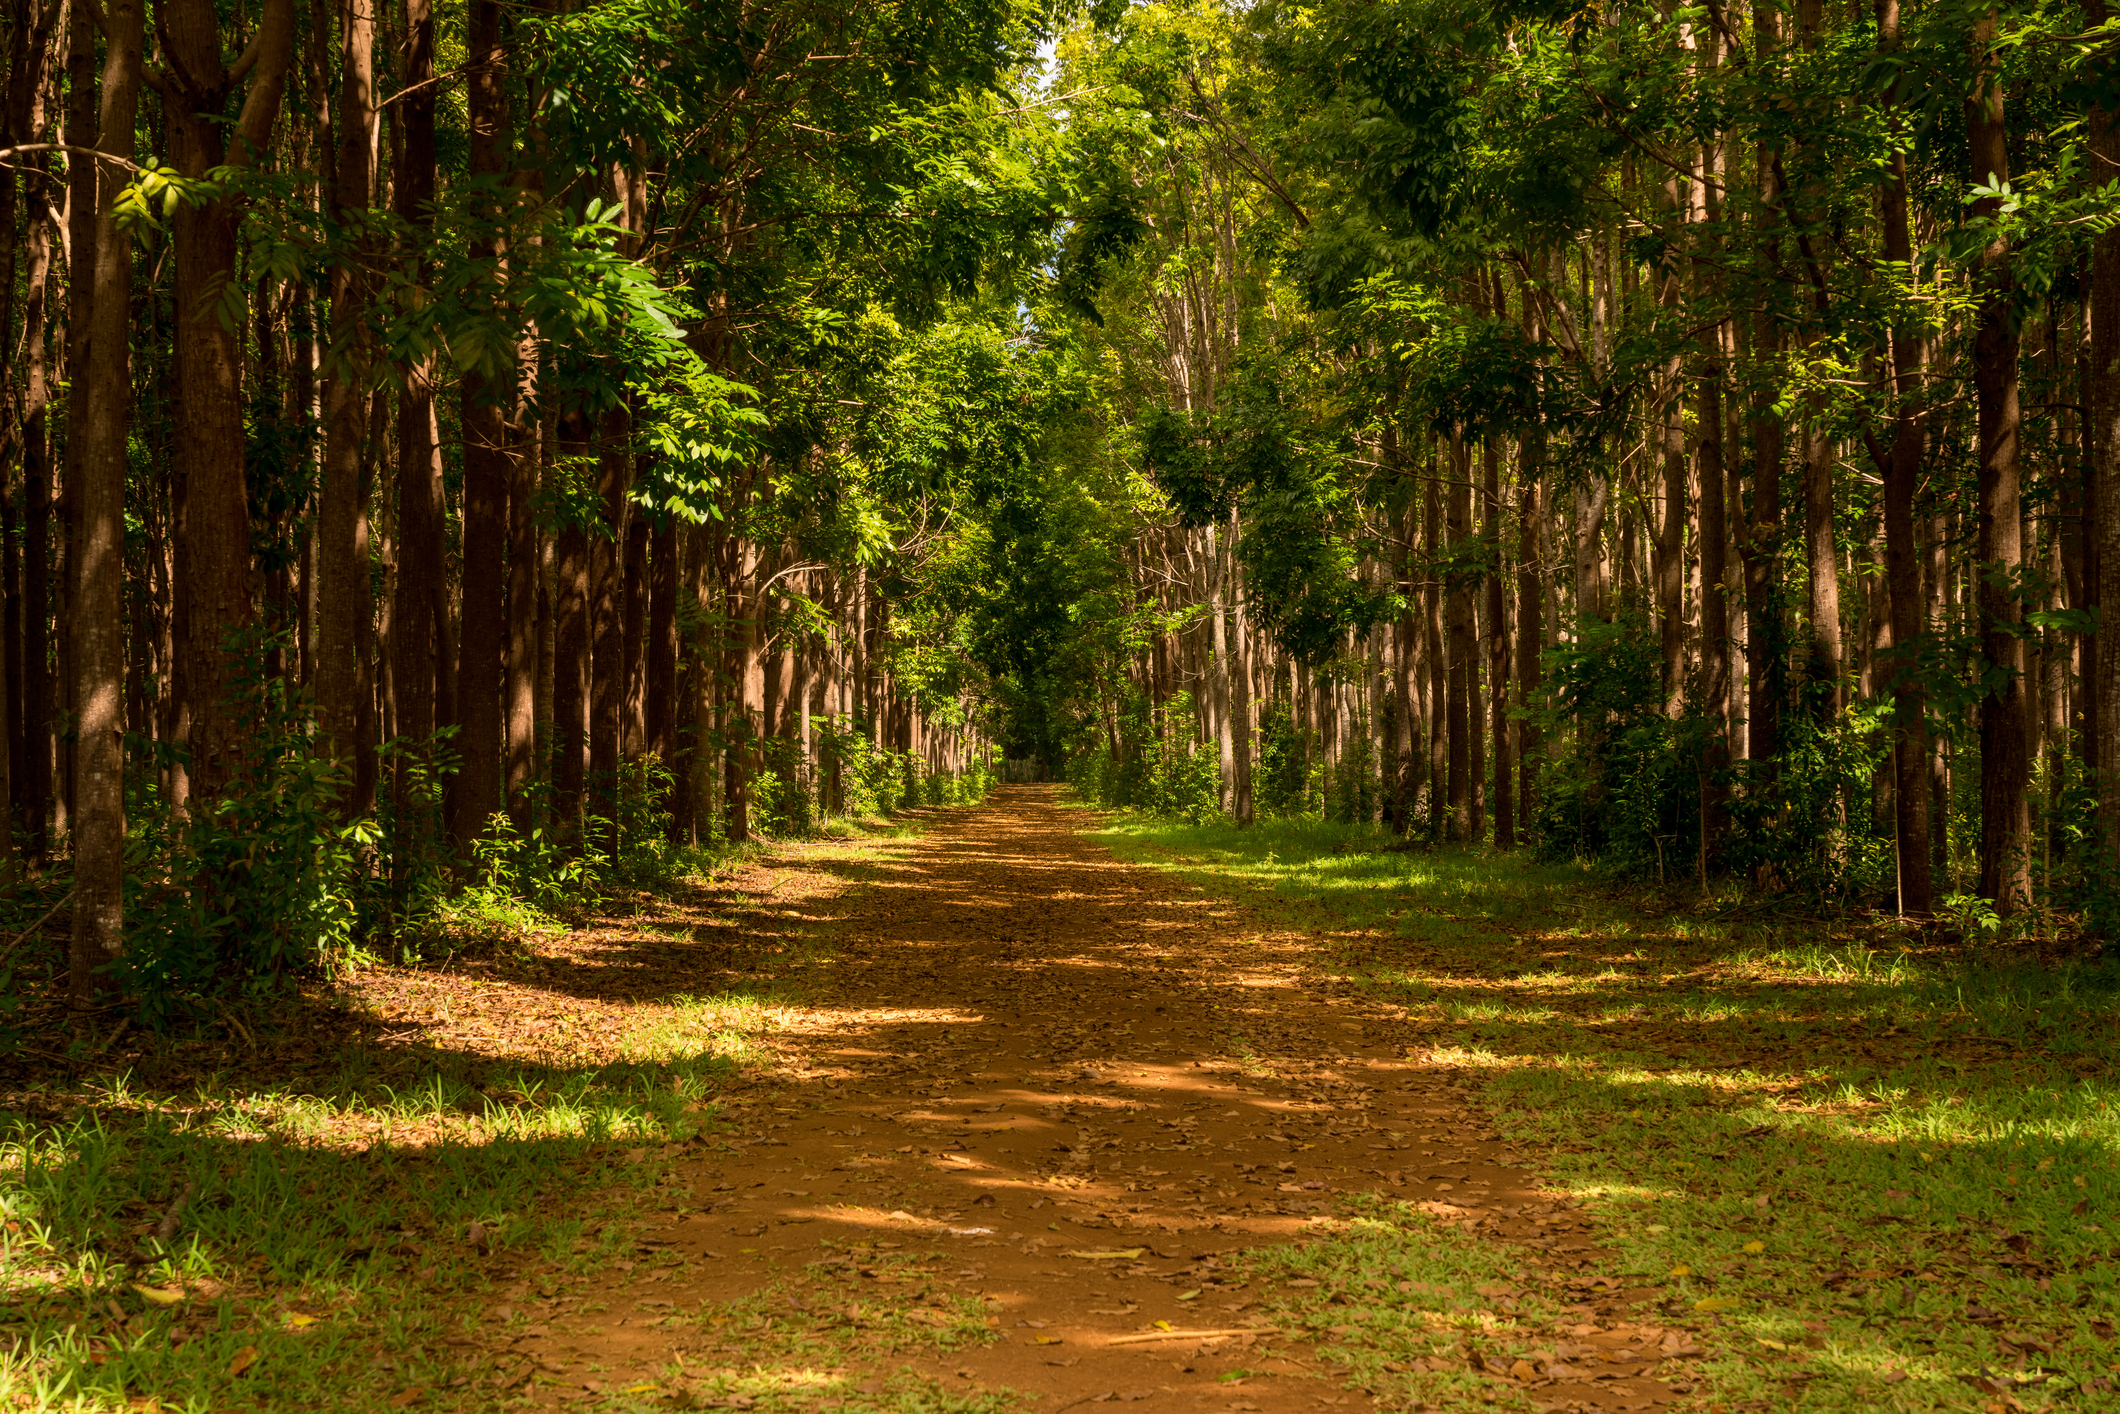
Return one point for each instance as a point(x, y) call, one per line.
point(1037, 1104)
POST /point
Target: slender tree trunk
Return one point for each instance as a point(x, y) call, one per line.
point(1240, 684)
point(660, 710)
point(570, 693)
point(1714, 527)
point(422, 577)
point(607, 654)
point(2102, 568)
point(1498, 652)
point(98, 623)
point(1463, 642)
point(1902, 475)
point(38, 719)
point(342, 569)
point(2005, 808)
point(487, 461)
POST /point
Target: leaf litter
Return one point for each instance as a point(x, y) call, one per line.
point(999, 1018)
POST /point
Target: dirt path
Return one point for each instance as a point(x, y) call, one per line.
point(1023, 1051)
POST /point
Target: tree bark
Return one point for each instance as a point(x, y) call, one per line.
point(1463, 641)
point(519, 685)
point(607, 682)
point(98, 623)
point(1504, 793)
point(2005, 808)
point(342, 568)
point(488, 469)
point(571, 648)
point(2102, 556)
point(213, 525)
point(1902, 475)
point(1714, 527)
point(660, 710)
point(422, 572)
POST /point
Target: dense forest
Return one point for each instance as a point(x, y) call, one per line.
point(515, 448)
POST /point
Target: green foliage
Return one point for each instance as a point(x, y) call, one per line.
point(1159, 770)
point(1807, 823)
point(244, 895)
point(1356, 790)
point(1281, 782)
point(1625, 791)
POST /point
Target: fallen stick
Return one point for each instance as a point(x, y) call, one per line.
point(1192, 1335)
point(167, 1228)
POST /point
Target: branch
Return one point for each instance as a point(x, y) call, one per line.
point(95, 152)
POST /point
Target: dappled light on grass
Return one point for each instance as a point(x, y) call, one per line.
point(1878, 1162)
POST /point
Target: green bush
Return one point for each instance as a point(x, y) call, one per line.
point(238, 897)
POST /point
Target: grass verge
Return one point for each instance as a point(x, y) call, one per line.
point(1874, 1171)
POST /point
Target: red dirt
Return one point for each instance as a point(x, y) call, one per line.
point(1017, 1051)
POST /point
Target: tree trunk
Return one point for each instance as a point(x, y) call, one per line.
point(519, 687)
point(1464, 643)
point(1498, 655)
point(2005, 808)
point(1714, 528)
point(2102, 557)
point(607, 653)
point(1240, 685)
point(213, 525)
point(422, 576)
point(342, 570)
point(1902, 476)
point(488, 473)
point(98, 622)
point(660, 709)
point(570, 691)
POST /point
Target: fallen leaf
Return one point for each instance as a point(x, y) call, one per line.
point(1712, 1304)
point(242, 1360)
point(406, 1396)
point(160, 1295)
point(1109, 1254)
point(1189, 1295)
point(1047, 1340)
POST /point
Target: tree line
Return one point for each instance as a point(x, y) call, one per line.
point(1680, 436)
point(1672, 435)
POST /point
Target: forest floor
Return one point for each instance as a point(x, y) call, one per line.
point(1023, 1108)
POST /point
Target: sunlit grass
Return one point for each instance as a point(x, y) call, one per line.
point(372, 1203)
point(1883, 1166)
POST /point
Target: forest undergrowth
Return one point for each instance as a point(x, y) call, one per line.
point(1877, 1163)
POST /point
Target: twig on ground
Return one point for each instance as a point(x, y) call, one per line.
point(173, 1217)
point(1146, 1336)
point(25, 935)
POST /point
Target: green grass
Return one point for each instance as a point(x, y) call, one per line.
point(336, 1232)
point(1870, 1170)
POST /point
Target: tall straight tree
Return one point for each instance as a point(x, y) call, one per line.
point(213, 514)
point(1902, 474)
point(342, 550)
point(487, 450)
point(2005, 808)
point(421, 606)
point(98, 622)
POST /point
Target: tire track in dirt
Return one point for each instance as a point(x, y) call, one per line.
point(1021, 1049)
